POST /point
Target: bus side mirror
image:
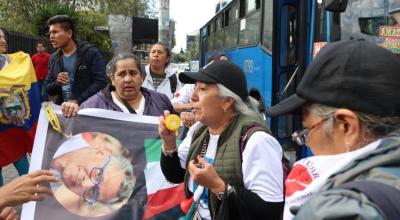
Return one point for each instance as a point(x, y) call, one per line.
point(336, 5)
point(371, 25)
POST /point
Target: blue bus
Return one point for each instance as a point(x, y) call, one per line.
point(274, 41)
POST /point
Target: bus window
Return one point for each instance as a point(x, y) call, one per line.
point(235, 13)
point(218, 23)
point(250, 5)
point(210, 38)
point(232, 28)
point(242, 8)
point(268, 25)
point(285, 122)
point(320, 24)
point(226, 18)
point(288, 39)
point(219, 34)
point(231, 36)
point(249, 26)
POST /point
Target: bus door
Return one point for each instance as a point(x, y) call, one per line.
point(286, 67)
point(203, 45)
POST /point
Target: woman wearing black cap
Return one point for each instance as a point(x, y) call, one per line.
point(212, 162)
point(351, 118)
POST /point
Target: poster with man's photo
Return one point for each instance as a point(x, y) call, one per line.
point(107, 167)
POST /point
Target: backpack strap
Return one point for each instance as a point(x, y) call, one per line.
point(384, 196)
point(246, 135)
point(129, 107)
point(143, 70)
point(173, 81)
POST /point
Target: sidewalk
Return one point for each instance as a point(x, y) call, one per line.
point(9, 173)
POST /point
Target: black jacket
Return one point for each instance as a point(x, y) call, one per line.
point(90, 73)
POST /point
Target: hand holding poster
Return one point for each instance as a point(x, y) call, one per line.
point(108, 169)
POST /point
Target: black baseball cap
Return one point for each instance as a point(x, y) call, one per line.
point(221, 71)
point(353, 74)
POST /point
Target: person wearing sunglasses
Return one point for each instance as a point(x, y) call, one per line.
point(350, 109)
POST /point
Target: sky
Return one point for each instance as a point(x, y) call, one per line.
point(189, 16)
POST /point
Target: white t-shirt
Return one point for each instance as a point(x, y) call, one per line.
point(184, 94)
point(138, 111)
point(261, 166)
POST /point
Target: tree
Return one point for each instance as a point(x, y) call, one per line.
point(45, 11)
point(141, 8)
point(16, 14)
point(31, 16)
point(86, 32)
point(193, 51)
point(84, 22)
point(179, 57)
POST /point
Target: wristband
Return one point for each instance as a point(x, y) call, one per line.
point(168, 152)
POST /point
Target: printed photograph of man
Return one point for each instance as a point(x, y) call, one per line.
point(95, 174)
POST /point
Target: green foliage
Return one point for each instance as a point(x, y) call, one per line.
point(45, 11)
point(139, 8)
point(193, 51)
point(17, 14)
point(179, 58)
point(88, 20)
point(31, 16)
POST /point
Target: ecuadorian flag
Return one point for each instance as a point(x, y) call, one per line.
point(19, 108)
point(163, 198)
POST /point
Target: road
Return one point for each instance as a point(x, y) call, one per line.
point(9, 173)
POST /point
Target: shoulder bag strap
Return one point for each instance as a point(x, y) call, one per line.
point(386, 197)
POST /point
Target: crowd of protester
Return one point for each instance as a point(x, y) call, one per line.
point(350, 113)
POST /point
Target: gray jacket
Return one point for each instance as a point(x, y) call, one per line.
point(381, 165)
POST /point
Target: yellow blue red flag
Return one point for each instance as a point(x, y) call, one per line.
point(19, 108)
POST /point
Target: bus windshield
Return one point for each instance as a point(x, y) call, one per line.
point(377, 21)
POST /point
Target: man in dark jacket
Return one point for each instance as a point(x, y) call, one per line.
point(76, 70)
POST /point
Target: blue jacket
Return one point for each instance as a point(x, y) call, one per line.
point(90, 73)
point(155, 103)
